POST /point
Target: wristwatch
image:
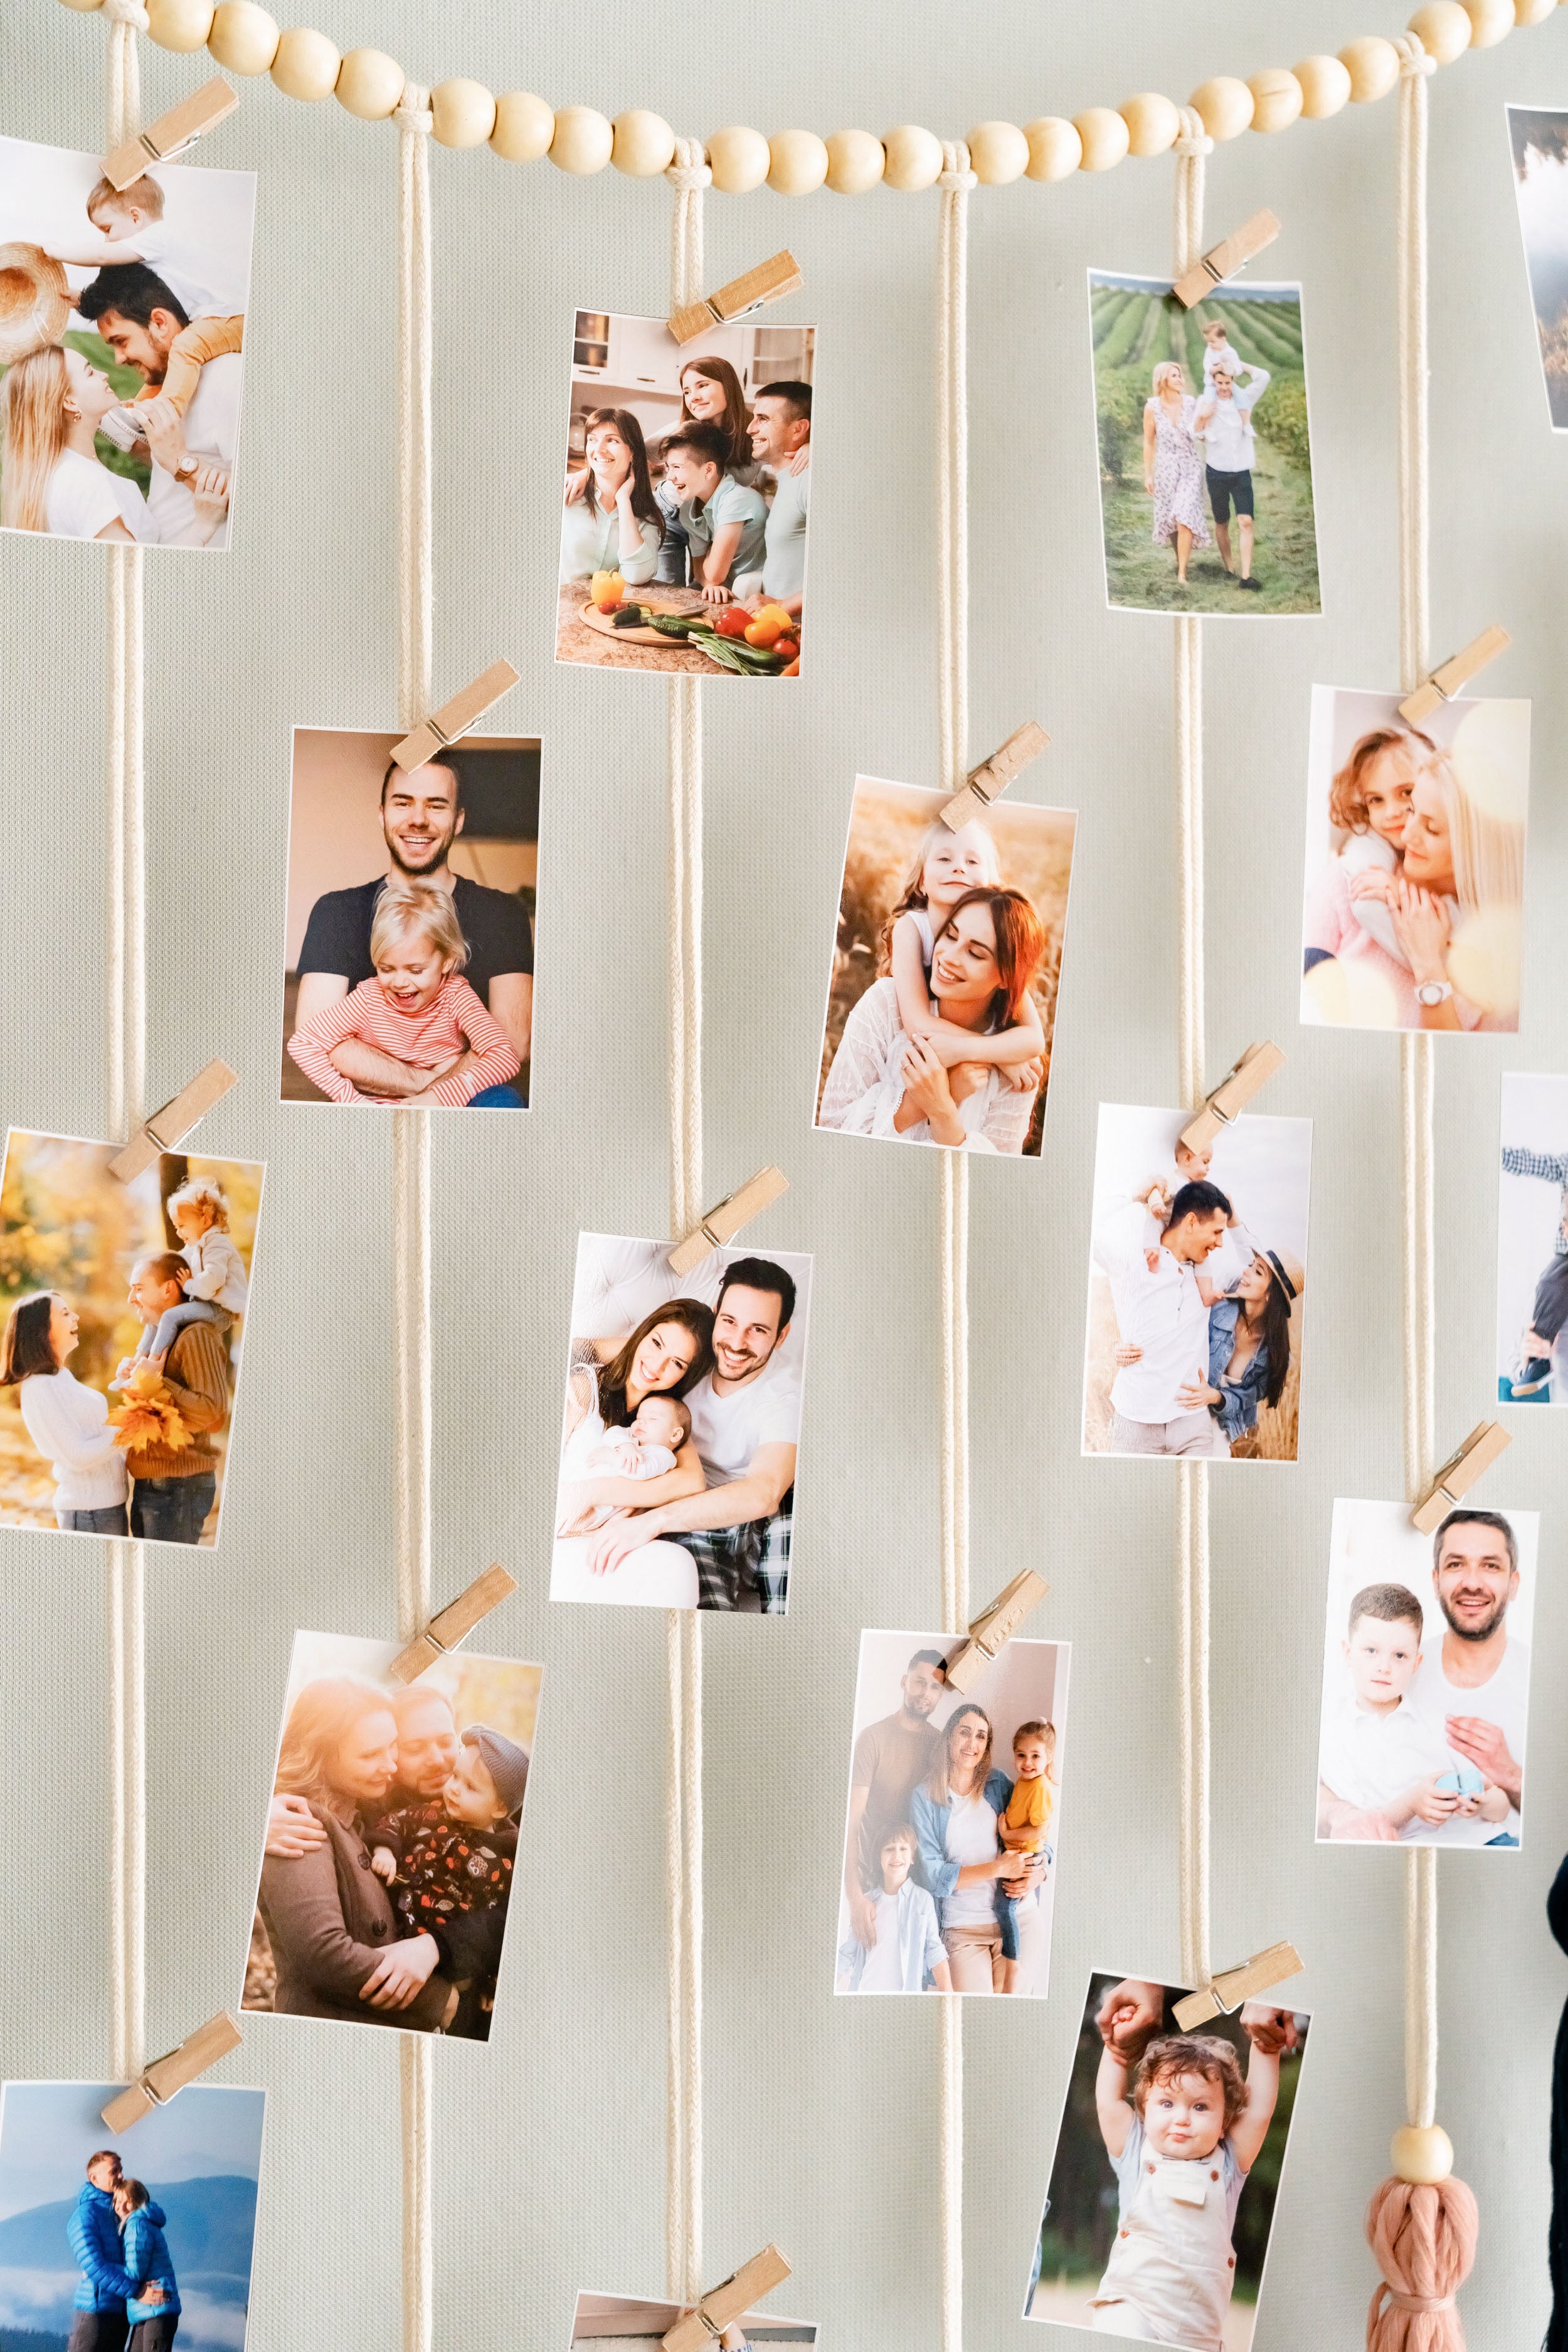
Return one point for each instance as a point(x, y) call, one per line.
point(188, 471)
point(1434, 992)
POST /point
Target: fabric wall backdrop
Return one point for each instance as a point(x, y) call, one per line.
point(550, 2145)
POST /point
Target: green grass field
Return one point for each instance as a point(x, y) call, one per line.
point(1134, 330)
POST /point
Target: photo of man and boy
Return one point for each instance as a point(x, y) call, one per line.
point(1426, 1677)
point(1532, 1241)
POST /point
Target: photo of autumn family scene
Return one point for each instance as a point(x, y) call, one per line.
point(122, 325)
point(942, 998)
point(1539, 138)
point(1197, 1272)
point(408, 959)
point(127, 2242)
point(681, 1428)
point(124, 1311)
point(391, 1838)
point(1426, 1677)
point(949, 1843)
point(687, 482)
point(625, 2323)
point(1414, 891)
point(1166, 2173)
point(1205, 461)
point(1532, 1242)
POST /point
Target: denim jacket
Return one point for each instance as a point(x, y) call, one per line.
point(1237, 1410)
point(933, 1869)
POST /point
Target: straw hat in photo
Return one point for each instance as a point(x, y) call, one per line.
point(1290, 1275)
point(35, 302)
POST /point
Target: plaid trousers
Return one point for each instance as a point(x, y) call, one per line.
point(756, 1553)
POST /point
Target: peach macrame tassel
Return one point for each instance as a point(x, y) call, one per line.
point(1424, 2240)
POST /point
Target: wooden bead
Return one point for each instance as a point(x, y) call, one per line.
point(643, 144)
point(306, 66)
point(913, 158)
point(855, 162)
point(998, 153)
point(1443, 30)
point(1422, 2154)
point(1373, 65)
point(582, 140)
point(244, 37)
point(524, 127)
point(1104, 135)
point(369, 84)
point(1277, 99)
point(462, 113)
point(1533, 12)
point(1056, 147)
point(737, 158)
point(1224, 105)
point(1492, 21)
point(86, 8)
point(1153, 123)
point(181, 25)
point(798, 163)
point(1325, 85)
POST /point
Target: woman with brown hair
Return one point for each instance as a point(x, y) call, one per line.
point(956, 1810)
point(68, 1421)
point(615, 525)
point(710, 394)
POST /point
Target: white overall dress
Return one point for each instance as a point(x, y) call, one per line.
point(1171, 2265)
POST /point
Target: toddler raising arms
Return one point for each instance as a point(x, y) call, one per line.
point(132, 229)
point(946, 865)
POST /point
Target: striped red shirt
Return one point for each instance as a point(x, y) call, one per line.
point(454, 1018)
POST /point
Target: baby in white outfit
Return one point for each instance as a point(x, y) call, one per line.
point(646, 1448)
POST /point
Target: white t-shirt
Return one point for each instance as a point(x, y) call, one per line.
point(1220, 355)
point(1504, 1700)
point(971, 1837)
point(884, 1968)
point(209, 290)
point(1161, 1312)
point(211, 430)
point(729, 1429)
point(83, 496)
point(1368, 1759)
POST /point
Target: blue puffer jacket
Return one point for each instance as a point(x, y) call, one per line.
point(93, 2232)
point(147, 2257)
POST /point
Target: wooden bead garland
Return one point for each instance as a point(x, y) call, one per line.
point(1373, 65)
point(1443, 30)
point(998, 153)
point(1056, 149)
point(643, 144)
point(1325, 86)
point(738, 160)
point(180, 25)
point(798, 163)
point(369, 84)
point(1105, 138)
point(913, 158)
point(244, 39)
point(306, 66)
point(1277, 99)
point(856, 160)
point(524, 127)
point(582, 140)
point(462, 113)
point(1532, 12)
point(1492, 21)
point(1224, 106)
point(1153, 123)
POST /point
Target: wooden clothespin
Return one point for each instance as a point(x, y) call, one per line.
point(1227, 1990)
point(1450, 676)
point(455, 718)
point(723, 1223)
point(448, 1627)
point(701, 2329)
point(1455, 1479)
point(990, 1631)
point(1223, 260)
point(1232, 1094)
point(173, 132)
point(994, 775)
point(158, 2083)
point(168, 1126)
point(766, 283)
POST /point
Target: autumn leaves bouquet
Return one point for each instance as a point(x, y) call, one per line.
point(147, 1414)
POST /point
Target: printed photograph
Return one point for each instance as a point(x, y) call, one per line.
point(941, 1001)
point(1197, 1272)
point(1426, 1677)
point(688, 481)
point(1532, 1242)
point(950, 1842)
point(1539, 138)
point(408, 961)
point(624, 2323)
point(1206, 460)
point(391, 1838)
point(142, 2237)
point(683, 1422)
point(125, 1310)
point(1414, 891)
point(1166, 2172)
point(122, 328)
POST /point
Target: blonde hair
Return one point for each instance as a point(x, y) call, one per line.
point(1347, 794)
point(32, 426)
point(145, 195)
point(319, 1722)
point(405, 906)
point(1165, 371)
point(913, 892)
point(1488, 851)
point(202, 1188)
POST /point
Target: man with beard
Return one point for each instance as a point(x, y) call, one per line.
point(745, 1421)
point(890, 1760)
point(421, 816)
point(1476, 1683)
point(427, 1751)
point(139, 318)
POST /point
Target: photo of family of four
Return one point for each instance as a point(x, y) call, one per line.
point(942, 994)
point(1414, 907)
point(1532, 1241)
point(123, 426)
point(1196, 1277)
point(1426, 1677)
point(146, 1285)
point(950, 1839)
point(392, 1839)
point(683, 533)
point(95, 2258)
point(409, 950)
point(677, 1454)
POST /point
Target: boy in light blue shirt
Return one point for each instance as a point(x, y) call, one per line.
point(909, 1946)
point(724, 523)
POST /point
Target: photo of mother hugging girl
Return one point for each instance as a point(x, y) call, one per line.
point(683, 1422)
point(943, 995)
point(391, 1838)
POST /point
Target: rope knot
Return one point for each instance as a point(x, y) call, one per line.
point(127, 12)
point(689, 170)
point(1413, 58)
point(955, 172)
point(412, 111)
point(1193, 139)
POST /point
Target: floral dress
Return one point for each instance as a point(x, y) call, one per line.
point(1178, 474)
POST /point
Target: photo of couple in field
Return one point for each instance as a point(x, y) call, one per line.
point(1206, 460)
point(941, 996)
